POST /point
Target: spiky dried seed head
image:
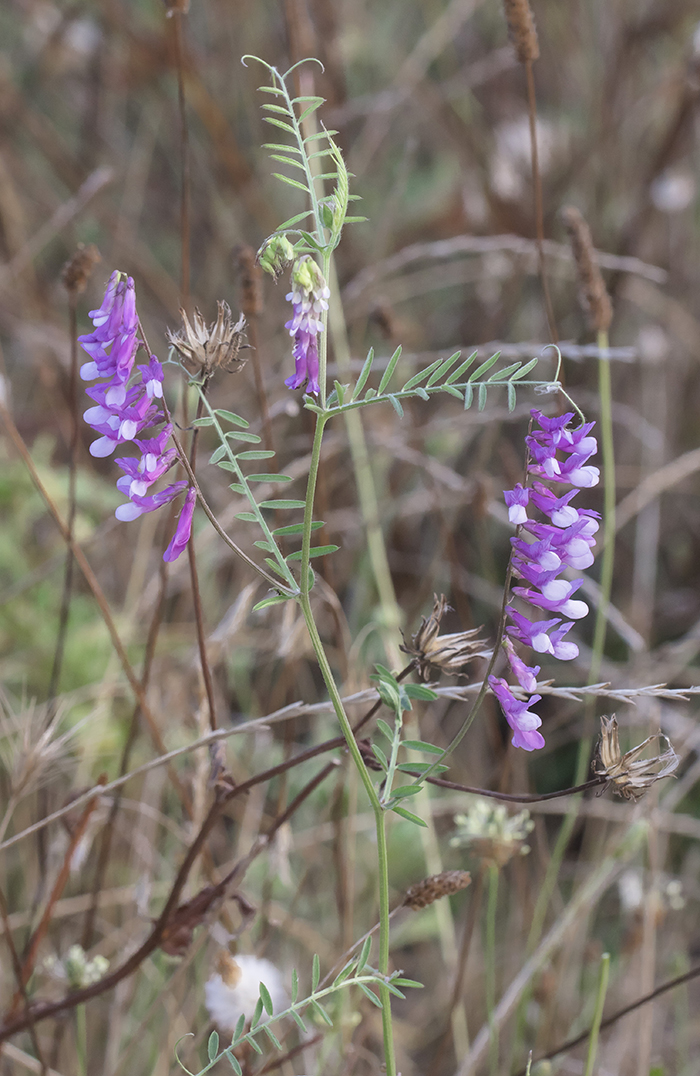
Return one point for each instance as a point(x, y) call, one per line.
point(593, 295)
point(434, 887)
point(447, 652)
point(629, 775)
point(211, 348)
point(77, 271)
point(521, 29)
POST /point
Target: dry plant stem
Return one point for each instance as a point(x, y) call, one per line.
point(59, 885)
point(17, 969)
point(509, 797)
point(70, 522)
point(463, 957)
point(537, 194)
point(490, 963)
point(176, 17)
point(106, 842)
point(196, 594)
point(91, 580)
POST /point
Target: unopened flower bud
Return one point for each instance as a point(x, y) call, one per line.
point(275, 255)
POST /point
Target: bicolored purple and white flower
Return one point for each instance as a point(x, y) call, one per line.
point(522, 721)
point(124, 408)
point(541, 552)
point(308, 297)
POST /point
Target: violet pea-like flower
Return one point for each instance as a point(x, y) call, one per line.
point(517, 500)
point(522, 721)
point(183, 529)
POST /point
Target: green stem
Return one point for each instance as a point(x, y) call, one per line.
point(346, 728)
point(490, 962)
point(598, 1014)
point(81, 1039)
point(384, 993)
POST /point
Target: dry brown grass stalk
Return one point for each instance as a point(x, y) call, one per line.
point(592, 291)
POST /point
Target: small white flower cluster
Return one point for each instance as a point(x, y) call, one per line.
point(76, 969)
point(489, 831)
point(234, 989)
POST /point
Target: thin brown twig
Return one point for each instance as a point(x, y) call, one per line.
point(106, 841)
point(72, 505)
point(17, 969)
point(59, 885)
point(185, 181)
point(537, 195)
point(694, 973)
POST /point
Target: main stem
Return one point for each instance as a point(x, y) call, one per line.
point(346, 728)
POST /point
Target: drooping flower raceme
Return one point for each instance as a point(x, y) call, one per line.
point(126, 407)
point(308, 296)
point(541, 552)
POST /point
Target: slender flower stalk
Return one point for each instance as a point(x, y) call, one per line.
point(125, 406)
point(541, 551)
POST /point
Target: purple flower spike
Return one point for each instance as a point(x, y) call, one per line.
point(523, 723)
point(183, 529)
point(124, 409)
point(308, 297)
point(560, 454)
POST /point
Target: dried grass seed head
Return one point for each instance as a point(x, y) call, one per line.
point(450, 653)
point(77, 271)
point(435, 887)
point(211, 348)
point(630, 775)
point(521, 29)
point(31, 748)
point(250, 281)
point(593, 294)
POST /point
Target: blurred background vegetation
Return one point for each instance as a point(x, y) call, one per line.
point(430, 106)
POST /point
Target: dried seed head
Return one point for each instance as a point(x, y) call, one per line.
point(251, 281)
point(213, 348)
point(521, 29)
point(77, 271)
point(629, 775)
point(491, 833)
point(593, 294)
point(436, 886)
point(447, 652)
point(32, 748)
